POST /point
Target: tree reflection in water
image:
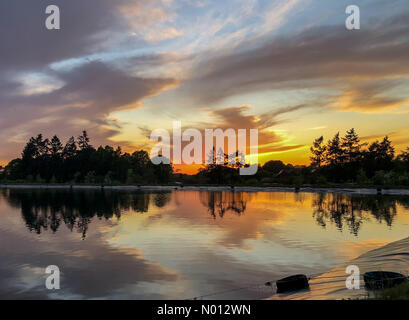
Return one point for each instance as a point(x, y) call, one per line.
point(353, 210)
point(219, 203)
point(47, 209)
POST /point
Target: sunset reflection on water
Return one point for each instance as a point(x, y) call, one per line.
point(182, 244)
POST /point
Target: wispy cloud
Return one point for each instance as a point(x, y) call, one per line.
point(334, 59)
point(185, 57)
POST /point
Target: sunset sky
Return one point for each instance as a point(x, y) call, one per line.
point(120, 69)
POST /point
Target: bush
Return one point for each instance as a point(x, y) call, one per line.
point(252, 182)
point(39, 179)
point(90, 177)
point(267, 180)
point(361, 177)
point(297, 181)
point(402, 180)
point(400, 292)
point(321, 180)
point(379, 178)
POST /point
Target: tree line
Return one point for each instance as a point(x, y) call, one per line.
point(46, 160)
point(341, 160)
point(347, 159)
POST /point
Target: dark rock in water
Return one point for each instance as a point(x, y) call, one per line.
point(292, 283)
point(379, 190)
point(383, 279)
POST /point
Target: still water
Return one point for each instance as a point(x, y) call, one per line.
point(182, 244)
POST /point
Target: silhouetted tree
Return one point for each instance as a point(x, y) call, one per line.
point(335, 154)
point(379, 156)
point(351, 146)
point(404, 158)
point(44, 160)
point(318, 150)
point(345, 159)
point(342, 159)
point(83, 141)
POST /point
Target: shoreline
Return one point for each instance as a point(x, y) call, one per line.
point(363, 191)
point(330, 285)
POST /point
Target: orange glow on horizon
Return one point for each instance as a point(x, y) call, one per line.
point(302, 159)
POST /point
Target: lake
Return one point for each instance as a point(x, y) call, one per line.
point(183, 244)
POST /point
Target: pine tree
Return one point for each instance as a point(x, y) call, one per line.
point(404, 157)
point(42, 145)
point(83, 141)
point(70, 148)
point(318, 150)
point(351, 146)
point(386, 150)
point(56, 147)
point(30, 151)
point(335, 153)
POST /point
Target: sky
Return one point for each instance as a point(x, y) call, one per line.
point(120, 69)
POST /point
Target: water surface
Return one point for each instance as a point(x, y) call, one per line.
point(182, 244)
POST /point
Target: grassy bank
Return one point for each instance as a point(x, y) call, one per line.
point(400, 292)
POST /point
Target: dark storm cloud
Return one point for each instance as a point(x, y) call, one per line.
point(325, 57)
